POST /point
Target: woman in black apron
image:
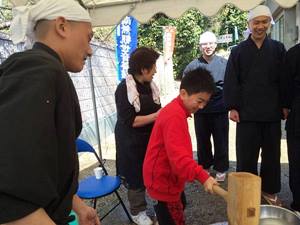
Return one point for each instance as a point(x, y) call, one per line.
point(137, 102)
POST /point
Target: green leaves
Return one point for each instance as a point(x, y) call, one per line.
point(188, 29)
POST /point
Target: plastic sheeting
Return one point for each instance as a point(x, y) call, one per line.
point(105, 81)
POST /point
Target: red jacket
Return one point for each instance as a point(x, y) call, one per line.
point(169, 159)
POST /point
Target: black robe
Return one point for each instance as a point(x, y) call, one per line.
point(39, 122)
point(254, 80)
point(293, 122)
point(131, 143)
point(293, 89)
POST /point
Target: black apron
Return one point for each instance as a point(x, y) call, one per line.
point(131, 145)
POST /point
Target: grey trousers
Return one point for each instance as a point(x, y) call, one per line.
point(137, 201)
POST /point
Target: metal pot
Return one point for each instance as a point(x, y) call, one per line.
point(274, 215)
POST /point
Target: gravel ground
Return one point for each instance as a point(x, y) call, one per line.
point(202, 208)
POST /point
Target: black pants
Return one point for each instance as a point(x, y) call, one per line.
point(250, 138)
point(165, 216)
point(215, 125)
point(293, 143)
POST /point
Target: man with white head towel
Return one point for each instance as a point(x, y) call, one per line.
point(40, 116)
point(253, 94)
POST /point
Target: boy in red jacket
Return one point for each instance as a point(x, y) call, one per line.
point(169, 163)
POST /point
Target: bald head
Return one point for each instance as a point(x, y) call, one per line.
point(69, 39)
point(25, 18)
point(42, 28)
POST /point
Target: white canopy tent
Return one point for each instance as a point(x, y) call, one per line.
point(110, 12)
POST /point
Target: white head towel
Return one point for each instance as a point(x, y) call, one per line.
point(26, 17)
point(260, 10)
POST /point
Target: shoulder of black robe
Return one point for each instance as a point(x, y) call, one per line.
point(29, 148)
point(292, 70)
point(125, 111)
point(280, 61)
point(231, 79)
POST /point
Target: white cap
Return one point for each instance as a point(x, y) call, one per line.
point(260, 10)
point(26, 17)
point(207, 37)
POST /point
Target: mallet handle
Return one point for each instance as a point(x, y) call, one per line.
point(220, 191)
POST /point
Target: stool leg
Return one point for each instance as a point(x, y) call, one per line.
point(124, 207)
point(95, 203)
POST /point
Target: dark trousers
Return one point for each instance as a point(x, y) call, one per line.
point(215, 125)
point(137, 200)
point(170, 213)
point(293, 143)
point(250, 138)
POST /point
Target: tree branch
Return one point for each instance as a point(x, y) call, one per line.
point(4, 25)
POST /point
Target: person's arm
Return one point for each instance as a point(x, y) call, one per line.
point(126, 112)
point(288, 80)
point(231, 87)
point(208, 185)
point(140, 121)
point(28, 162)
point(86, 214)
point(179, 150)
point(283, 83)
point(38, 217)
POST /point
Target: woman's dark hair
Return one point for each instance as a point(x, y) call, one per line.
point(198, 80)
point(142, 58)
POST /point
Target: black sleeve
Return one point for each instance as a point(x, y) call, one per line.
point(186, 70)
point(282, 77)
point(28, 162)
point(125, 111)
point(290, 70)
point(231, 82)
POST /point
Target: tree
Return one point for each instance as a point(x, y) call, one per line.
point(229, 17)
point(192, 22)
point(105, 34)
point(188, 29)
point(5, 15)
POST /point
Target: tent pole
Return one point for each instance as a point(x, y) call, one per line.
point(94, 106)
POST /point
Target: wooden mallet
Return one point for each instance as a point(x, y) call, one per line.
point(243, 198)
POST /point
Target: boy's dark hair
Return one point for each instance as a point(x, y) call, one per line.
point(142, 58)
point(198, 80)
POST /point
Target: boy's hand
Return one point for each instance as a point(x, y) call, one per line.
point(285, 113)
point(208, 185)
point(234, 115)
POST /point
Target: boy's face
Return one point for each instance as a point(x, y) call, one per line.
point(194, 102)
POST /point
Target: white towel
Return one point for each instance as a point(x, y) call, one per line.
point(133, 95)
point(260, 10)
point(25, 17)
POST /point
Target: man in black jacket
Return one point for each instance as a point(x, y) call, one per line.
point(292, 68)
point(40, 116)
point(253, 93)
